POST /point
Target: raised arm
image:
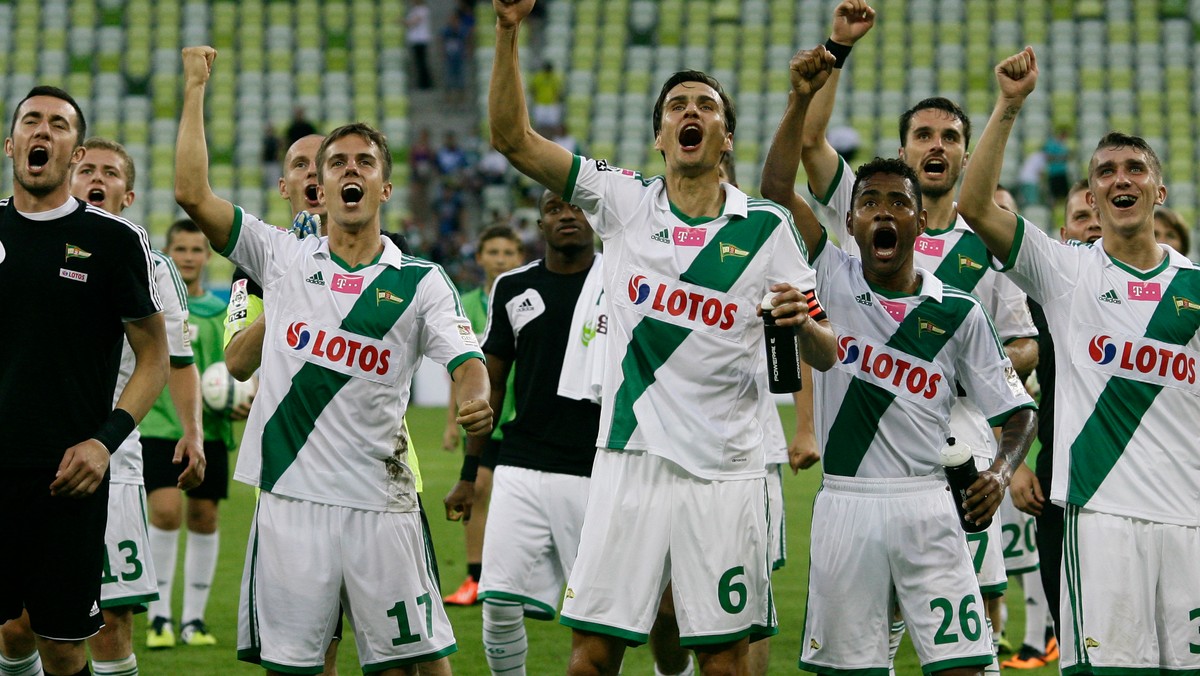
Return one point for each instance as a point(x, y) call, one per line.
point(1017, 76)
point(852, 19)
point(192, 190)
point(810, 70)
point(532, 154)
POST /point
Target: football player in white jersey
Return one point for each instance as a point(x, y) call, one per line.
point(348, 319)
point(880, 432)
point(678, 423)
point(1124, 313)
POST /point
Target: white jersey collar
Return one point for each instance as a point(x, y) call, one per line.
point(391, 254)
point(68, 207)
point(736, 203)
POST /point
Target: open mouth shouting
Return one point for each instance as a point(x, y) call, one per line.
point(310, 195)
point(95, 197)
point(690, 136)
point(936, 167)
point(884, 241)
point(352, 194)
point(1123, 202)
point(39, 157)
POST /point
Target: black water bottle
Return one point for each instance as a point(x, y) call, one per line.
point(961, 472)
point(783, 358)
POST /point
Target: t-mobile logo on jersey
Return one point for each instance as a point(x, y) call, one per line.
point(1145, 291)
point(929, 246)
point(347, 283)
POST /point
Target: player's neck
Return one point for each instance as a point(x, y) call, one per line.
point(940, 212)
point(28, 203)
point(195, 289)
point(902, 282)
point(1136, 248)
point(358, 247)
point(696, 196)
point(569, 261)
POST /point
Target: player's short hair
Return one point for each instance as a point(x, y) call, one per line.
point(935, 103)
point(1081, 184)
point(181, 225)
point(1116, 139)
point(885, 165)
point(47, 90)
point(694, 76)
point(500, 232)
point(101, 143)
point(367, 132)
point(1174, 221)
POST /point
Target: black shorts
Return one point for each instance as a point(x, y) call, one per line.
point(160, 472)
point(491, 453)
point(55, 572)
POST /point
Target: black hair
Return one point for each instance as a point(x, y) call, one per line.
point(935, 103)
point(47, 90)
point(890, 165)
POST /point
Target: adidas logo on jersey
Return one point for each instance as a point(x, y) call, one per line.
point(662, 236)
point(525, 306)
point(316, 278)
point(863, 299)
point(1110, 296)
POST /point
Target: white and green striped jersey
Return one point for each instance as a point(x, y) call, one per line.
point(956, 255)
point(341, 347)
point(883, 411)
point(126, 463)
point(685, 342)
point(1126, 346)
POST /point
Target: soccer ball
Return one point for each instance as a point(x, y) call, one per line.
point(222, 392)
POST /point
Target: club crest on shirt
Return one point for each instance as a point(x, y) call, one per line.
point(76, 252)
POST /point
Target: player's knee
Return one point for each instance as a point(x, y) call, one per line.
point(62, 657)
point(594, 654)
point(114, 641)
point(17, 638)
point(202, 516)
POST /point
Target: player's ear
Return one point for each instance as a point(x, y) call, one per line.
point(922, 220)
point(8, 147)
point(127, 200)
point(283, 189)
point(387, 192)
point(1161, 196)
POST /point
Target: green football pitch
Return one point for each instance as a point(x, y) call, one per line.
point(549, 642)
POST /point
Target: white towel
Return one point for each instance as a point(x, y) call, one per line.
point(583, 362)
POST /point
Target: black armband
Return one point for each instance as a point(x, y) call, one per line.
point(840, 52)
point(470, 468)
point(116, 428)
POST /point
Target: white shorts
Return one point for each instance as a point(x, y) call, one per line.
point(128, 577)
point(1020, 539)
point(1130, 595)
point(532, 537)
point(877, 543)
point(776, 517)
point(648, 523)
point(987, 550)
point(305, 560)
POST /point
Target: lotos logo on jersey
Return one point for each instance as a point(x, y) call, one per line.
point(341, 351)
point(683, 304)
point(847, 350)
point(1101, 349)
point(1144, 359)
point(897, 372)
point(298, 335)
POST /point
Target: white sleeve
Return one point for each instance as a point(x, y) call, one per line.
point(446, 335)
point(832, 207)
point(1007, 307)
point(609, 195)
point(985, 371)
point(789, 256)
point(173, 293)
point(1041, 267)
point(259, 248)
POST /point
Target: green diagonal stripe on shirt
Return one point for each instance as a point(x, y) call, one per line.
point(653, 341)
point(1122, 404)
point(865, 403)
point(313, 387)
point(958, 267)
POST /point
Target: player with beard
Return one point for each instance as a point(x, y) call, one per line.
point(884, 533)
point(691, 261)
point(542, 322)
point(935, 135)
point(1126, 466)
point(349, 319)
point(84, 280)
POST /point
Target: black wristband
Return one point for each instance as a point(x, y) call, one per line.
point(116, 428)
point(470, 468)
point(839, 51)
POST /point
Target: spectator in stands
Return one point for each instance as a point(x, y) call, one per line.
point(564, 138)
point(1029, 179)
point(547, 89)
point(1057, 170)
point(1170, 229)
point(419, 33)
point(300, 127)
point(451, 158)
point(455, 37)
point(846, 141)
point(272, 170)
